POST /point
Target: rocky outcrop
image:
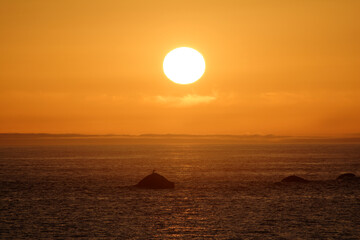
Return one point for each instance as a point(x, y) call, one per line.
point(347, 177)
point(294, 178)
point(155, 181)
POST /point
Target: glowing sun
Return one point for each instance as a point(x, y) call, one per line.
point(184, 65)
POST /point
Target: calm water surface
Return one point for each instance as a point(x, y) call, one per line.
point(222, 192)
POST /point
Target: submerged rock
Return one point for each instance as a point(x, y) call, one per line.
point(155, 181)
point(294, 178)
point(347, 176)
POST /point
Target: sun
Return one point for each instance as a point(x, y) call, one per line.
point(184, 65)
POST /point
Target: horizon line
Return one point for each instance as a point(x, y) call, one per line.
point(348, 135)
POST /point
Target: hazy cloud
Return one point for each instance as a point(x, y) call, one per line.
point(282, 98)
point(184, 101)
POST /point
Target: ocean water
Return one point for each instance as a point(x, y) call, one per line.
point(222, 191)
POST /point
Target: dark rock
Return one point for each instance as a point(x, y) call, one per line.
point(294, 178)
point(346, 176)
point(155, 181)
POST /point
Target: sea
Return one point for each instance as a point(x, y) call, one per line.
point(222, 191)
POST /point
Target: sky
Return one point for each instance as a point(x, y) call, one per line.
point(95, 67)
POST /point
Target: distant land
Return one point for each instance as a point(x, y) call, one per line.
point(8, 139)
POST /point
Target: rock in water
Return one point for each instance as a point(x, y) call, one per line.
point(155, 181)
point(294, 178)
point(346, 176)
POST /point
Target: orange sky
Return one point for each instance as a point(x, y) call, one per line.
point(272, 67)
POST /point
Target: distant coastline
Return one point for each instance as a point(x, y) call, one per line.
point(63, 139)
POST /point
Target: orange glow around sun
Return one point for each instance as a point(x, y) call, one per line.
point(290, 68)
